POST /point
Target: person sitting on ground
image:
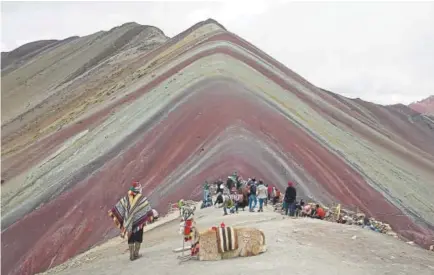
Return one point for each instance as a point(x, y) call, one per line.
point(207, 202)
point(306, 210)
point(341, 219)
point(290, 197)
point(299, 208)
point(228, 204)
point(366, 221)
point(262, 195)
point(236, 198)
point(319, 213)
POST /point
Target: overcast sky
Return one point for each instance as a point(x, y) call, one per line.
point(380, 52)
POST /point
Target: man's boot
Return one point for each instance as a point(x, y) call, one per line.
point(136, 250)
point(131, 248)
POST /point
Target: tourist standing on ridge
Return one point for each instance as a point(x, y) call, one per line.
point(181, 204)
point(262, 195)
point(237, 180)
point(290, 197)
point(219, 186)
point(130, 214)
point(205, 191)
point(230, 183)
point(252, 195)
point(269, 191)
point(275, 195)
point(256, 196)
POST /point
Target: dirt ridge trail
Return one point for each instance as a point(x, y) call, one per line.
point(303, 246)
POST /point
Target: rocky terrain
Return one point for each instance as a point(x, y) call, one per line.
point(425, 106)
point(83, 117)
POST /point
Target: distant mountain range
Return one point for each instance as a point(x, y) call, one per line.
point(425, 106)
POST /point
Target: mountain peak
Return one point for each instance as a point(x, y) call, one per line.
point(424, 106)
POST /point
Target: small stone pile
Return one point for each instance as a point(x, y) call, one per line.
point(360, 219)
point(352, 218)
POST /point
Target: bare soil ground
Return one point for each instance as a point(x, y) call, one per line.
point(295, 246)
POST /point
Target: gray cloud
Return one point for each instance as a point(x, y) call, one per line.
point(380, 52)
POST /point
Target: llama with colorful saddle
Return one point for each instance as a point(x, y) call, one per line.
point(221, 242)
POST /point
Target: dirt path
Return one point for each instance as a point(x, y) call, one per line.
point(295, 246)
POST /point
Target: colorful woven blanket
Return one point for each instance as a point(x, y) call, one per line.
point(131, 213)
point(226, 239)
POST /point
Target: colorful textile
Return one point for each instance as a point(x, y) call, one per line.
point(188, 232)
point(226, 239)
point(131, 213)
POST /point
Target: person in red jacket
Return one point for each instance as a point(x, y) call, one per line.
point(319, 212)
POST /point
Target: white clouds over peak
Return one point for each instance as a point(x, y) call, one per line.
point(381, 52)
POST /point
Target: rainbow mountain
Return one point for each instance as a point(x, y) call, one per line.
point(85, 116)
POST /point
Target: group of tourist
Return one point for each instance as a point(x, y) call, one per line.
point(237, 194)
point(293, 208)
point(134, 211)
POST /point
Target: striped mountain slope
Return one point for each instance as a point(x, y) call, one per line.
point(201, 105)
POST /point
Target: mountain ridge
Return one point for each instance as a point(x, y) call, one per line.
point(15, 111)
point(424, 106)
point(132, 120)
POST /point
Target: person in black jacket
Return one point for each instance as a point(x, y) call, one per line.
point(290, 197)
point(219, 186)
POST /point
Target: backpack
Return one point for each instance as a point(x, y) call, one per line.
point(277, 193)
point(253, 189)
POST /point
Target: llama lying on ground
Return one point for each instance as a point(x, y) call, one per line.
point(219, 243)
